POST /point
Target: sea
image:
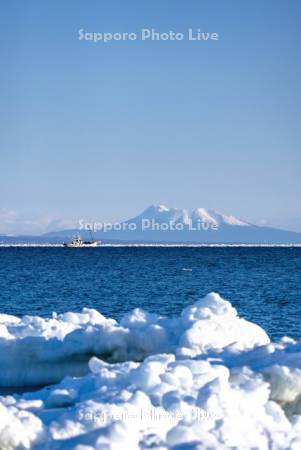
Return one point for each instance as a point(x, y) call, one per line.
point(262, 283)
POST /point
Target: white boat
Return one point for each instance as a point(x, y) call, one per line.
point(78, 242)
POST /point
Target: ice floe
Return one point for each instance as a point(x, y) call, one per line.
point(206, 379)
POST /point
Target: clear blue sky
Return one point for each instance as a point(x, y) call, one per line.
point(101, 131)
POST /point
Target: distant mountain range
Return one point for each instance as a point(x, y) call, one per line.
point(163, 225)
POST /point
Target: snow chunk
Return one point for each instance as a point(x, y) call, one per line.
point(19, 428)
point(37, 351)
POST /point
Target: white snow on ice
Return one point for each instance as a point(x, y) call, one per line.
point(207, 379)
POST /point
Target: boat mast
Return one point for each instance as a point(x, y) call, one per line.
point(91, 234)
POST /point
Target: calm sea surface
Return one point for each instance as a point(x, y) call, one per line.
point(262, 283)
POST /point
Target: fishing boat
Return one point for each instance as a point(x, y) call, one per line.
point(77, 241)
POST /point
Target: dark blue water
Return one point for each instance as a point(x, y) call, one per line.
point(262, 283)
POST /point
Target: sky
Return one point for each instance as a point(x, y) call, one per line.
point(99, 131)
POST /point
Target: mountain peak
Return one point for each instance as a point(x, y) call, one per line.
point(185, 215)
point(161, 208)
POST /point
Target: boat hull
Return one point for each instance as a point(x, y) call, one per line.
point(79, 245)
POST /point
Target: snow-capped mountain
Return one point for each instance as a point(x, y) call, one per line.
point(161, 224)
point(162, 213)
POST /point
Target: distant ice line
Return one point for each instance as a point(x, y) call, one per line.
point(157, 245)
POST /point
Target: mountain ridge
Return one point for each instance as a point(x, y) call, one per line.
point(164, 225)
